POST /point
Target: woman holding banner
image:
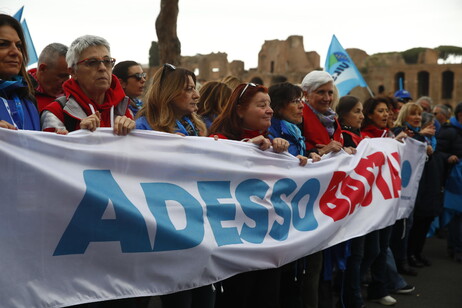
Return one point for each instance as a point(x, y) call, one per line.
point(93, 98)
point(171, 102)
point(377, 242)
point(17, 106)
point(419, 125)
point(350, 115)
point(169, 107)
point(247, 117)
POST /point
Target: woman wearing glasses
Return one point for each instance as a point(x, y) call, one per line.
point(17, 107)
point(93, 98)
point(132, 78)
point(171, 102)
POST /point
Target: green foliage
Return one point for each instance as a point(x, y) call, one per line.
point(445, 51)
point(412, 55)
point(154, 58)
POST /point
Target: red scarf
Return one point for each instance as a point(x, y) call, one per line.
point(373, 131)
point(113, 96)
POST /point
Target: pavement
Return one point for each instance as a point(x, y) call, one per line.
point(437, 286)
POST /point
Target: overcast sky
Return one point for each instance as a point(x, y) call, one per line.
point(240, 27)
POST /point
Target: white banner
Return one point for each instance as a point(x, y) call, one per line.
point(93, 216)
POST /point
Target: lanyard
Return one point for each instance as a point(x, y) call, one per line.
point(19, 110)
point(183, 130)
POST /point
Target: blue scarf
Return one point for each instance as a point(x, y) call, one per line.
point(188, 129)
point(293, 130)
point(430, 140)
point(17, 111)
point(453, 121)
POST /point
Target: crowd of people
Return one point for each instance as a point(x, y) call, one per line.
point(78, 87)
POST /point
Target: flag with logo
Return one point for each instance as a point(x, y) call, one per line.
point(342, 68)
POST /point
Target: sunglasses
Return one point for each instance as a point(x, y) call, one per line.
point(95, 63)
point(245, 88)
point(167, 66)
point(137, 76)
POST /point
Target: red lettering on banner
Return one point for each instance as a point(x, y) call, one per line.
point(353, 192)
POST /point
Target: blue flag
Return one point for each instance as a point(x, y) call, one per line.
point(30, 45)
point(343, 70)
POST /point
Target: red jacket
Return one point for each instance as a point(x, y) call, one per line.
point(78, 104)
point(41, 97)
point(315, 133)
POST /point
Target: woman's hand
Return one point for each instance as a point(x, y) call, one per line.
point(429, 150)
point(5, 124)
point(262, 142)
point(333, 146)
point(280, 145)
point(123, 125)
point(303, 160)
point(315, 156)
point(92, 122)
point(401, 136)
point(428, 131)
point(453, 159)
point(350, 150)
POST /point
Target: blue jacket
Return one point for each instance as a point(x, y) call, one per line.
point(15, 108)
point(278, 129)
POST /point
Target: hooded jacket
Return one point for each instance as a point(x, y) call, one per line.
point(75, 106)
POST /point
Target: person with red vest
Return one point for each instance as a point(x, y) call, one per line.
point(93, 96)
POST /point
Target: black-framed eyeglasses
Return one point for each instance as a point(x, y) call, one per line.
point(245, 88)
point(137, 76)
point(95, 63)
point(167, 66)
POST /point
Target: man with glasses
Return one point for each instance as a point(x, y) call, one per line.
point(93, 98)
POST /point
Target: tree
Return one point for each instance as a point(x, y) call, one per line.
point(169, 44)
point(154, 54)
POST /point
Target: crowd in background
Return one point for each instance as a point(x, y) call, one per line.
point(81, 87)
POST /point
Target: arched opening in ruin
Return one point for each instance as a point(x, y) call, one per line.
point(447, 85)
point(423, 83)
point(272, 67)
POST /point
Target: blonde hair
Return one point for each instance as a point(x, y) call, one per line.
point(167, 85)
point(231, 81)
point(405, 111)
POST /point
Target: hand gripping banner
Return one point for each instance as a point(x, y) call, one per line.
point(93, 216)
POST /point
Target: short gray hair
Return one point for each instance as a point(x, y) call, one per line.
point(82, 43)
point(425, 98)
point(315, 79)
point(445, 110)
point(51, 53)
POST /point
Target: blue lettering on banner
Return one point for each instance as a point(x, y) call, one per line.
point(129, 227)
point(86, 226)
point(308, 222)
point(167, 236)
point(218, 212)
point(253, 210)
point(406, 172)
point(282, 187)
